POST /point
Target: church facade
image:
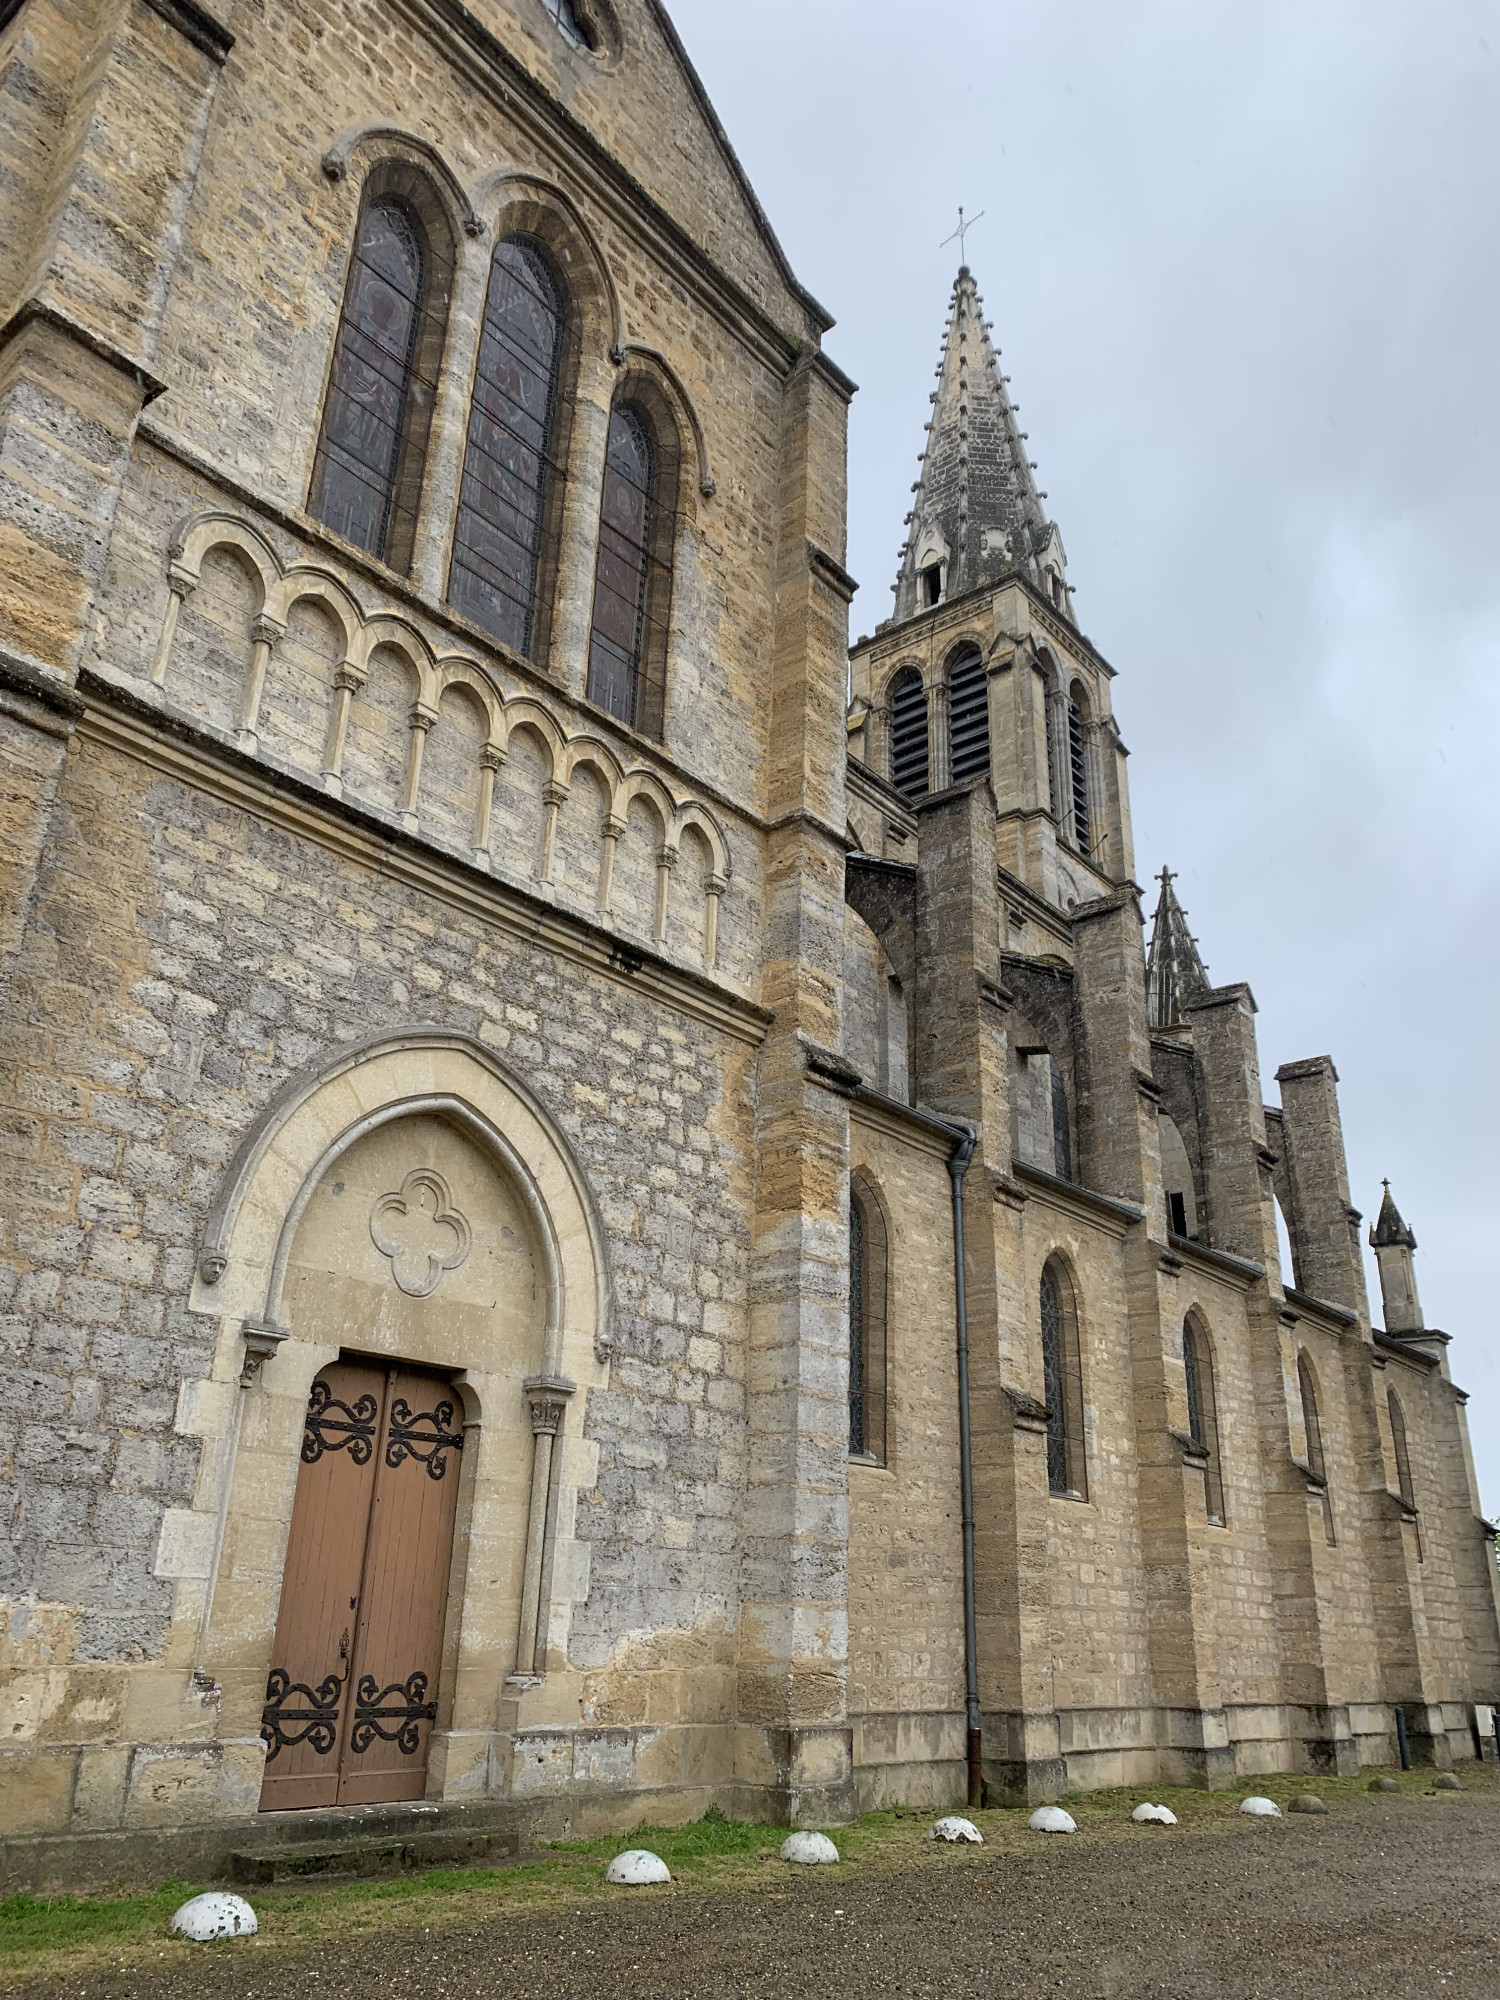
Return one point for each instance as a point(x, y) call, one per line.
point(604, 1209)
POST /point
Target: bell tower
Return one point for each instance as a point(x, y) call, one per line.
point(982, 672)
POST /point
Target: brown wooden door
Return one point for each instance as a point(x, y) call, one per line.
point(352, 1692)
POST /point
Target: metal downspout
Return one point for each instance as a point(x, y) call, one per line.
point(958, 1166)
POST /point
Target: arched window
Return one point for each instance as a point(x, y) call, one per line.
point(867, 1348)
point(1078, 770)
point(633, 576)
point(909, 764)
point(511, 489)
point(367, 475)
point(1203, 1415)
point(968, 717)
point(1313, 1428)
point(1399, 1445)
point(1062, 1373)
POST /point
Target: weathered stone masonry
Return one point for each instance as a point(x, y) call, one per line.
point(312, 892)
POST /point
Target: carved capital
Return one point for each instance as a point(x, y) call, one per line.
point(421, 716)
point(613, 827)
point(492, 756)
point(348, 677)
point(715, 885)
point(667, 857)
point(554, 794)
point(547, 1396)
point(183, 581)
point(265, 630)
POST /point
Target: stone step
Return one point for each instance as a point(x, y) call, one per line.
point(375, 1854)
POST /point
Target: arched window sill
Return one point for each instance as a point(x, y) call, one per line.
point(1069, 1493)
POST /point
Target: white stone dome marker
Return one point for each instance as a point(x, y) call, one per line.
point(1259, 1808)
point(953, 1826)
point(1052, 1819)
point(808, 1849)
point(215, 1915)
point(1148, 1815)
point(636, 1868)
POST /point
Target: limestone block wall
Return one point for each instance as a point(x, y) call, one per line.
point(183, 958)
point(265, 270)
point(906, 1665)
point(1097, 1601)
point(291, 658)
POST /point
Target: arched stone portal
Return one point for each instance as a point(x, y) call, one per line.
point(404, 1233)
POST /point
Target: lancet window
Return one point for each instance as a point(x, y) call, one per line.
point(867, 1323)
point(1203, 1416)
point(633, 576)
point(511, 491)
point(1062, 1374)
point(367, 475)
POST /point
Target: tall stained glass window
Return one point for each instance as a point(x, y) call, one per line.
point(510, 480)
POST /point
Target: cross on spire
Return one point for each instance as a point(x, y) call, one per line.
point(959, 234)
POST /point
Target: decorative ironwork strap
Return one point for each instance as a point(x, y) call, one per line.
point(403, 1703)
point(318, 1713)
point(354, 1430)
point(407, 1438)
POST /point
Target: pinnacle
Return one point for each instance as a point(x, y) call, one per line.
point(1175, 972)
point(1390, 1231)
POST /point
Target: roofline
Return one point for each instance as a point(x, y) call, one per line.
point(526, 94)
point(818, 312)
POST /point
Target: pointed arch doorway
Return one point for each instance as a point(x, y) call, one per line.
point(352, 1698)
point(413, 1263)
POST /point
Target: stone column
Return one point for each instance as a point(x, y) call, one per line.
point(547, 1397)
point(793, 1755)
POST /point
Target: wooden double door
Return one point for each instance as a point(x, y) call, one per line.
point(352, 1693)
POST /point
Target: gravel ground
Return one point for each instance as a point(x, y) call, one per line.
point(1387, 1897)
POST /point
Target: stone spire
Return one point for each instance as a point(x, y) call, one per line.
point(977, 515)
point(1174, 971)
point(1393, 1243)
point(1390, 1231)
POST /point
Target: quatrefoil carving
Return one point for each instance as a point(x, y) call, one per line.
point(421, 1232)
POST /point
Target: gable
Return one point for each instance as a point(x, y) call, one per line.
point(642, 100)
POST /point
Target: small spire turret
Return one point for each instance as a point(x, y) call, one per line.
point(1175, 973)
point(1393, 1243)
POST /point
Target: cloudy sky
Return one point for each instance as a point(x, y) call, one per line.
point(1242, 263)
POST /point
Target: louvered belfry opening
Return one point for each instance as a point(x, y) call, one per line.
point(353, 1689)
point(1078, 771)
point(909, 752)
point(511, 493)
point(372, 446)
point(633, 575)
point(968, 717)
